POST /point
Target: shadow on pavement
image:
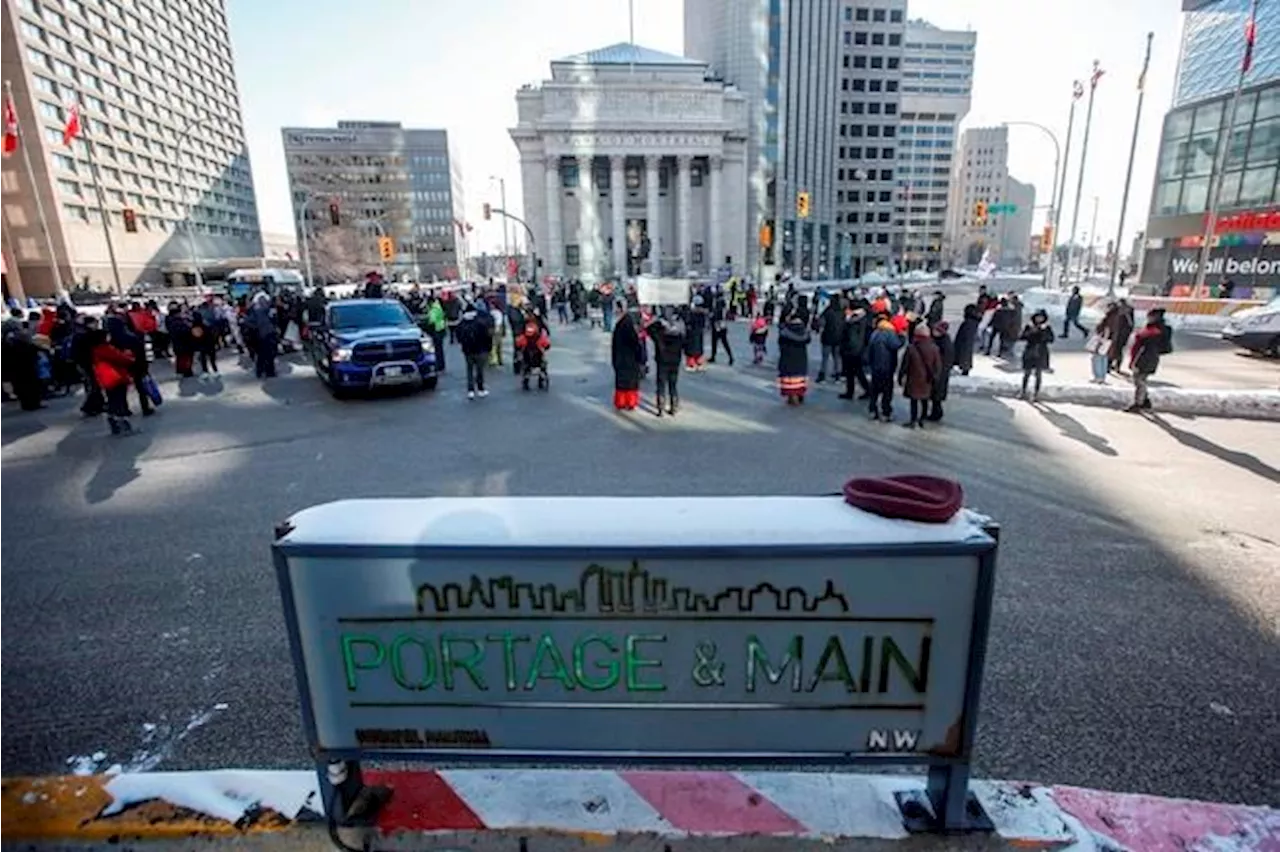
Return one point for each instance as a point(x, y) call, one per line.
point(1244, 461)
point(1071, 428)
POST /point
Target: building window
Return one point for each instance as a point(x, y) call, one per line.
point(891, 85)
point(697, 253)
point(569, 175)
point(695, 175)
point(858, 107)
point(859, 38)
point(859, 61)
point(877, 39)
point(890, 109)
point(863, 14)
point(895, 16)
point(893, 63)
point(895, 40)
point(571, 254)
point(861, 85)
point(873, 108)
point(847, 36)
point(877, 62)
point(874, 85)
point(877, 15)
point(882, 239)
point(848, 13)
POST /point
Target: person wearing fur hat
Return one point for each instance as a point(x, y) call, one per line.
point(1035, 355)
point(920, 368)
point(942, 381)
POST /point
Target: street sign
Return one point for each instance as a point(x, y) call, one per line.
point(760, 630)
point(1002, 208)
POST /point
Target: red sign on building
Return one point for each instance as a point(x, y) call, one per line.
point(1249, 220)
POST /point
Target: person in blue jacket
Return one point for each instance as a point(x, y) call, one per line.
point(882, 362)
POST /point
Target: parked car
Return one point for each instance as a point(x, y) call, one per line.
point(1256, 329)
point(364, 344)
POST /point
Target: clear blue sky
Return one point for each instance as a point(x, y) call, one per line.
point(457, 66)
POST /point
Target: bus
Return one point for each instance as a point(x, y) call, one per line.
point(246, 282)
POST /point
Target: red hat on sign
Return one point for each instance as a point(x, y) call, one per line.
point(911, 497)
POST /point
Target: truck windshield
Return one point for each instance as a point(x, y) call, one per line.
point(369, 315)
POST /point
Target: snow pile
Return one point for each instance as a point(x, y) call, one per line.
point(226, 794)
point(1254, 404)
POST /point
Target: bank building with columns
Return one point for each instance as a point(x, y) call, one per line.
point(634, 160)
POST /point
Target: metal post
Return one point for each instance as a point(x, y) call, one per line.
point(506, 240)
point(1055, 199)
point(1128, 175)
point(1093, 236)
point(307, 195)
point(1084, 154)
point(1215, 177)
point(1077, 92)
point(190, 123)
point(102, 214)
point(35, 193)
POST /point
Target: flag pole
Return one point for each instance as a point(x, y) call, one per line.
point(35, 193)
point(1220, 157)
point(1128, 175)
point(1084, 154)
point(102, 211)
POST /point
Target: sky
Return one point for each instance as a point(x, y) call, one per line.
point(426, 63)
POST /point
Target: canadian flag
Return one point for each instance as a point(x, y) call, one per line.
point(10, 126)
point(1250, 36)
point(72, 130)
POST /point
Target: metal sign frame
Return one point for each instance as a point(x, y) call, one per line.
point(944, 805)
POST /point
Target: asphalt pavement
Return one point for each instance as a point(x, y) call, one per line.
point(1134, 644)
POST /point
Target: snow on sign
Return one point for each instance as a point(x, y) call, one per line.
point(746, 630)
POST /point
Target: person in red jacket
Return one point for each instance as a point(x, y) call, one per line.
point(532, 343)
point(111, 370)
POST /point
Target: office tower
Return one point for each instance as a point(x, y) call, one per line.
point(154, 85)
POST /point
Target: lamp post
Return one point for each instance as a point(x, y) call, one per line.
point(307, 194)
point(186, 127)
point(1055, 201)
point(860, 176)
point(502, 196)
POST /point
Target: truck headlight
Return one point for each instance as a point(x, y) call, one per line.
point(428, 345)
point(340, 354)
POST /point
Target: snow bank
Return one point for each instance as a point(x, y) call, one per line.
point(226, 794)
point(1254, 404)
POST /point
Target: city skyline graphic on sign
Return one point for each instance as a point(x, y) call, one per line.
point(632, 591)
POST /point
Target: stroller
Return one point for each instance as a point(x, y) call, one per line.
point(532, 344)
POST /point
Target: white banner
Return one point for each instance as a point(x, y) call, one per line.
point(652, 290)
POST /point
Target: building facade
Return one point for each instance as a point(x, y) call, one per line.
point(937, 85)
point(155, 87)
point(632, 158)
point(981, 177)
point(378, 179)
point(829, 87)
point(1246, 245)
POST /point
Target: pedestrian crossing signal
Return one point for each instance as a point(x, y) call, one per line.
point(1046, 238)
point(487, 212)
point(386, 248)
point(980, 213)
point(802, 205)
point(335, 215)
point(130, 220)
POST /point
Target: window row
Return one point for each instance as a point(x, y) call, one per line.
point(874, 39)
point(1249, 145)
point(1240, 189)
point(861, 85)
point(869, 108)
point(151, 222)
point(1208, 118)
point(857, 152)
point(875, 62)
point(862, 14)
point(888, 131)
point(867, 174)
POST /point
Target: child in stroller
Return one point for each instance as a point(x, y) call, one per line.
point(532, 343)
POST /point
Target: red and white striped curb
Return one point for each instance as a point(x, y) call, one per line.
point(797, 804)
point(626, 804)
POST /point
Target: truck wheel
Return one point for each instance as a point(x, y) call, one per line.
point(1273, 348)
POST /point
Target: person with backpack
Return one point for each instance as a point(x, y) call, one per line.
point(1149, 344)
point(476, 339)
point(667, 333)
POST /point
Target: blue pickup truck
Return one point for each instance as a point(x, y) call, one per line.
point(371, 343)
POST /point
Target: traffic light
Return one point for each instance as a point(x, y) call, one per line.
point(1046, 238)
point(335, 215)
point(766, 235)
point(488, 212)
point(802, 205)
point(386, 248)
point(130, 220)
point(980, 213)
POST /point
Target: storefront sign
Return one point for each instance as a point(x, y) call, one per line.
point(1250, 220)
point(1254, 269)
point(841, 649)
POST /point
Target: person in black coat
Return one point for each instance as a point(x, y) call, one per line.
point(830, 329)
point(1075, 304)
point(936, 308)
point(1121, 328)
point(475, 336)
point(853, 344)
point(942, 381)
point(720, 329)
point(1035, 356)
point(695, 333)
point(628, 363)
point(967, 338)
point(793, 359)
point(667, 333)
point(122, 337)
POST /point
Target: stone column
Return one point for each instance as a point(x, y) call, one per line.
point(618, 201)
point(683, 175)
point(552, 250)
point(714, 246)
point(588, 218)
point(653, 211)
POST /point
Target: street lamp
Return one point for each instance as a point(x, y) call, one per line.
point(1055, 203)
point(859, 175)
point(502, 196)
point(191, 123)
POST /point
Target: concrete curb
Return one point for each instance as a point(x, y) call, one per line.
point(1247, 404)
point(576, 809)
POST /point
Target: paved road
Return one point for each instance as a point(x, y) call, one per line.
point(1135, 637)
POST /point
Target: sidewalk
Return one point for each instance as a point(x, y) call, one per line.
point(1070, 382)
point(575, 809)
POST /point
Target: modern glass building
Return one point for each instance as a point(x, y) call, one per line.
point(1208, 68)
